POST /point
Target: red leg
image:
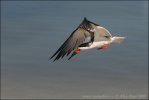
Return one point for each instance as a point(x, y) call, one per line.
point(77, 51)
point(105, 46)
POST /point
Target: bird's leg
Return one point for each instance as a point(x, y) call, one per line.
point(105, 46)
point(77, 50)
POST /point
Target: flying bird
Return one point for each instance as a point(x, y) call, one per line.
point(87, 35)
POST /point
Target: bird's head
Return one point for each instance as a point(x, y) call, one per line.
point(104, 34)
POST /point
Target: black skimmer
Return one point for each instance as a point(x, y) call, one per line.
point(87, 35)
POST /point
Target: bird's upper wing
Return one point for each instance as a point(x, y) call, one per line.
point(77, 37)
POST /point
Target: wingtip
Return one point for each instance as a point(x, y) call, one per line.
point(55, 59)
point(51, 58)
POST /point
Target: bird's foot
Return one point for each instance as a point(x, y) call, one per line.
point(105, 46)
point(77, 51)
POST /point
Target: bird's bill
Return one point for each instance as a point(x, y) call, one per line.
point(118, 40)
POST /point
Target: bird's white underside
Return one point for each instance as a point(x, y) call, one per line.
point(95, 45)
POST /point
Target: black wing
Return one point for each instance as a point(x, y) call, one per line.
point(76, 38)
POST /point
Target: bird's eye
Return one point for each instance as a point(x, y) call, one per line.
point(107, 36)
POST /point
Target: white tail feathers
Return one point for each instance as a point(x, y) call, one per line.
point(116, 39)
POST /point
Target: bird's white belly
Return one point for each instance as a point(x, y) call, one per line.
point(94, 45)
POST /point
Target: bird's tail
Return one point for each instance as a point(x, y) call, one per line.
point(118, 40)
